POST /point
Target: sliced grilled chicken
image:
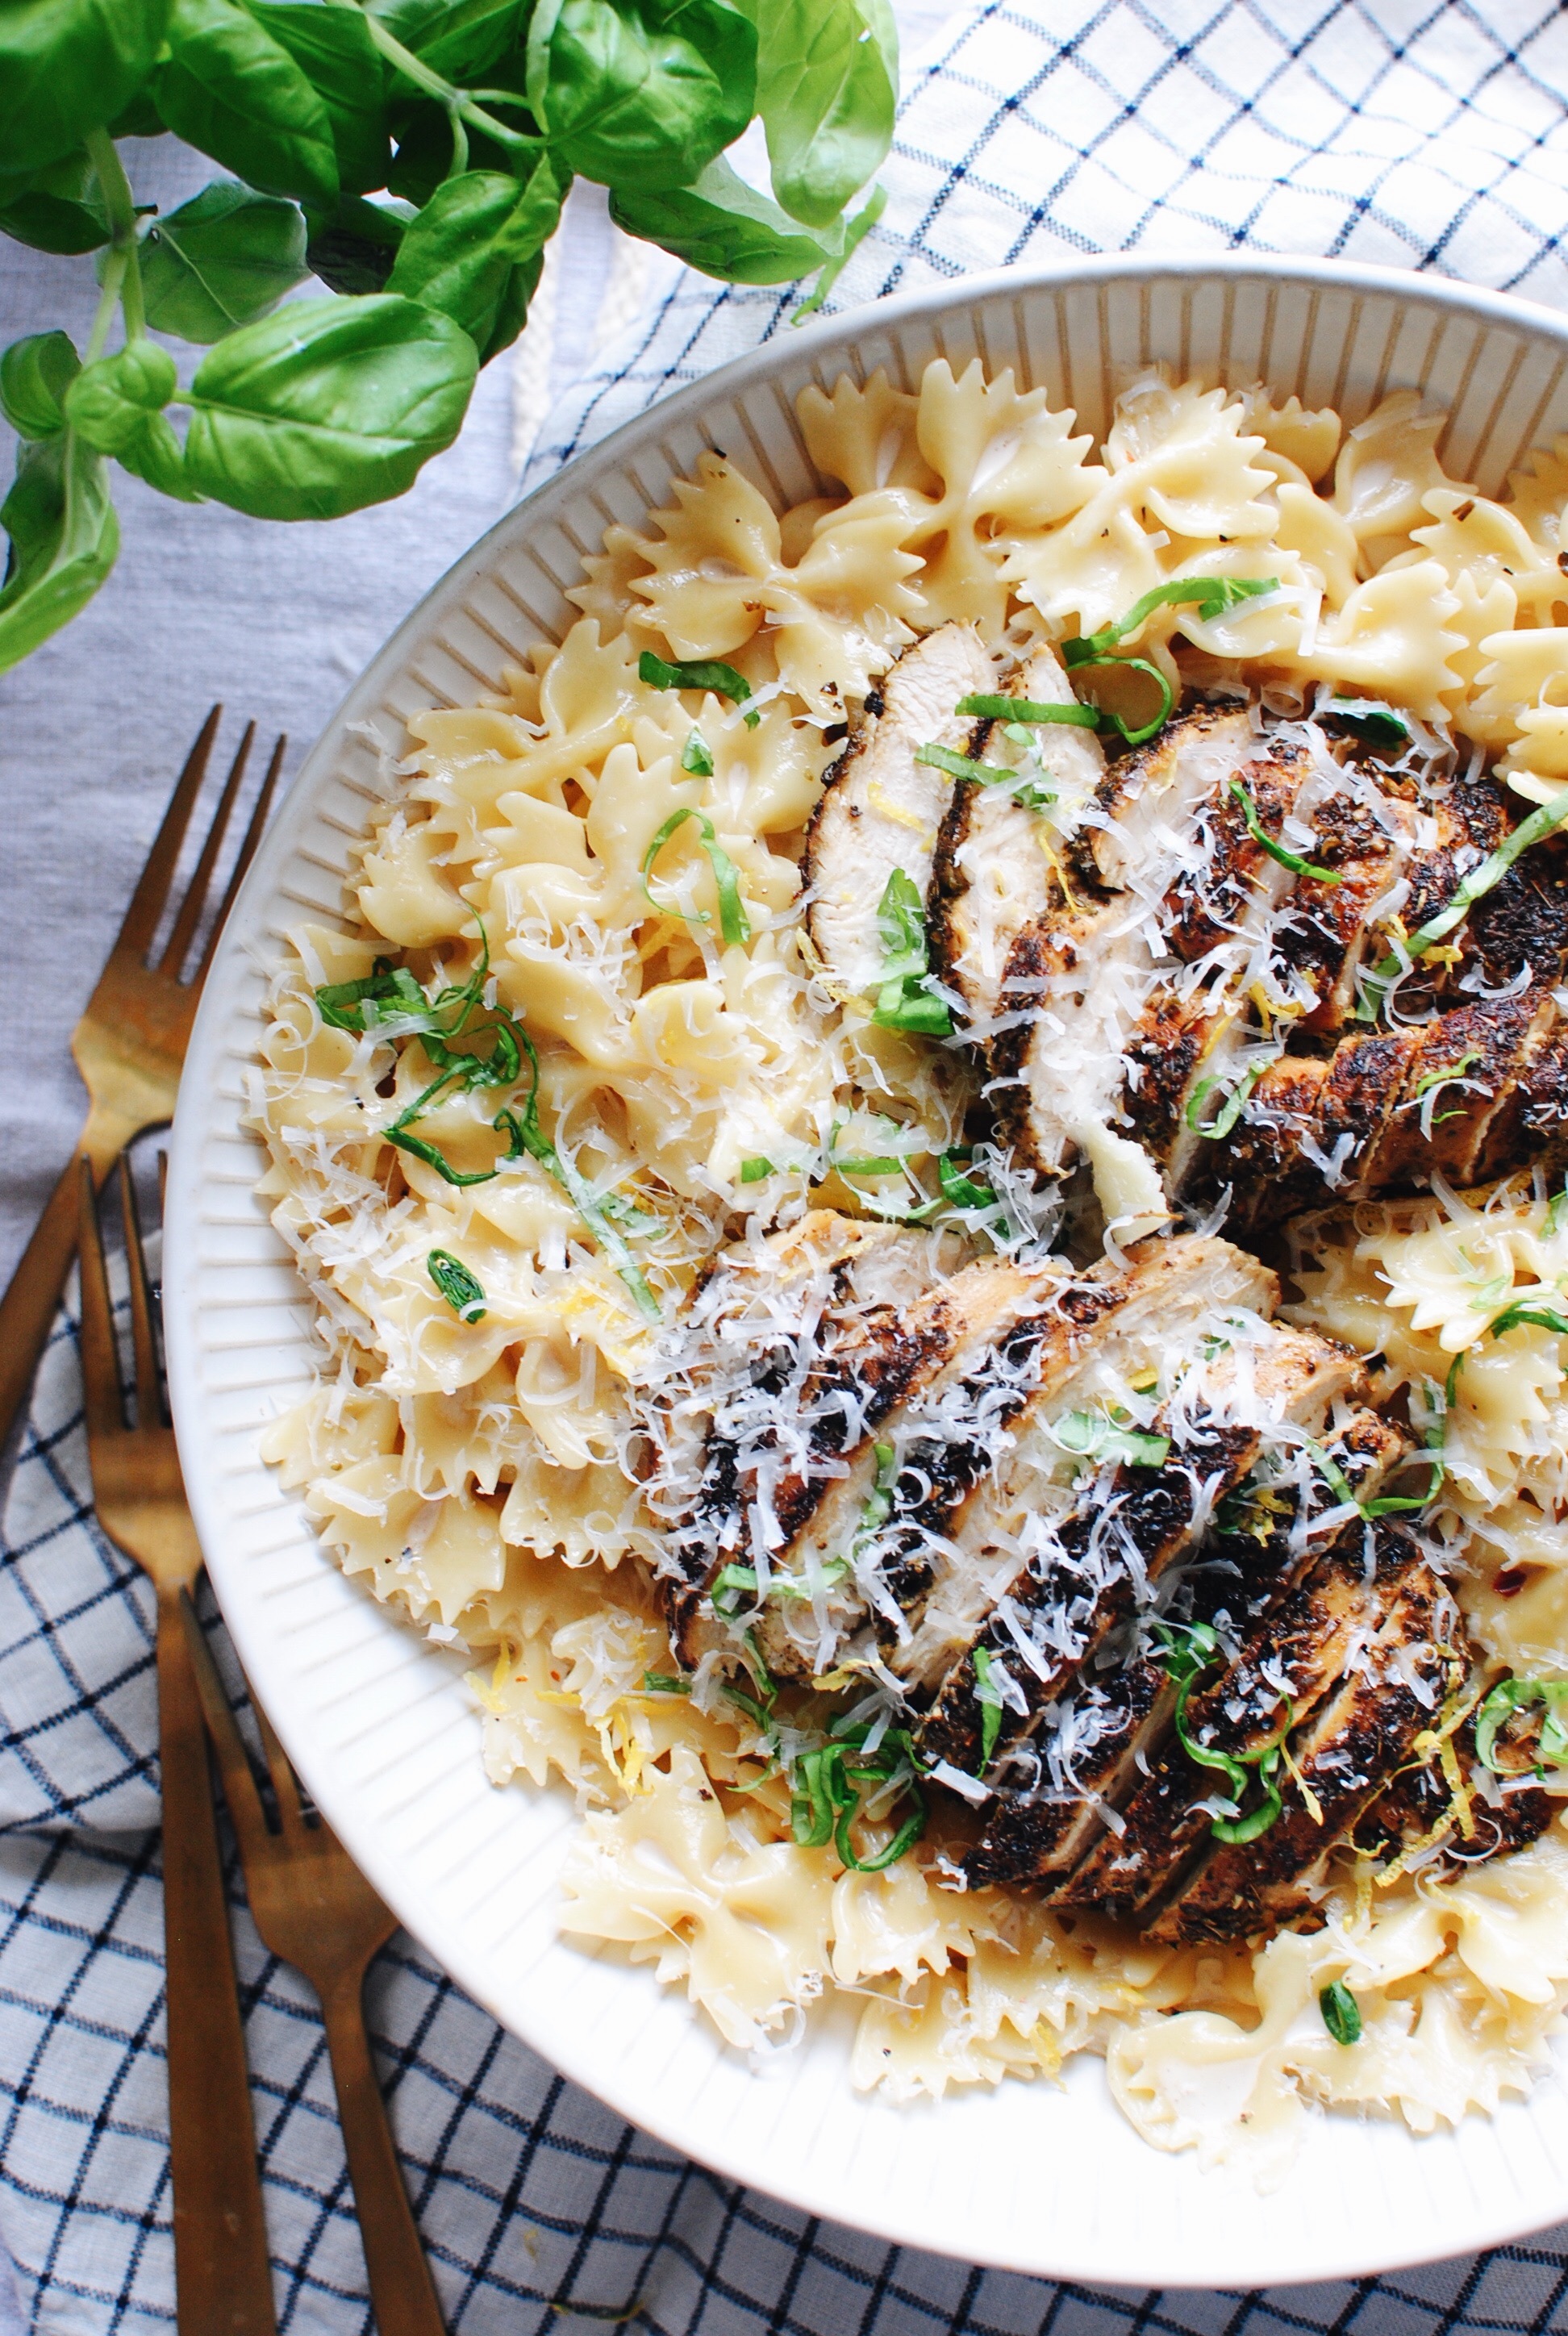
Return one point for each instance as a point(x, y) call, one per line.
point(883, 810)
point(951, 1335)
point(996, 868)
point(974, 1500)
point(1061, 1831)
point(1420, 1812)
point(1299, 1652)
point(1106, 1559)
point(1340, 1762)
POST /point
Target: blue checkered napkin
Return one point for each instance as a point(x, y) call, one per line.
point(1420, 135)
point(1397, 132)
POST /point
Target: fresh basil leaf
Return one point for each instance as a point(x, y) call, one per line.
point(140, 119)
point(153, 452)
point(697, 673)
point(460, 39)
point(643, 92)
point(110, 400)
point(221, 259)
point(68, 67)
point(334, 52)
point(355, 250)
point(721, 227)
point(464, 251)
point(328, 406)
point(233, 91)
point(35, 376)
point(63, 539)
point(827, 87)
point(58, 210)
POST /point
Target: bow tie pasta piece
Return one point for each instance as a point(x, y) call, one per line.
point(1388, 466)
point(745, 1923)
point(1392, 639)
point(1521, 699)
point(1538, 494)
point(433, 1557)
point(1304, 440)
point(866, 436)
point(714, 572)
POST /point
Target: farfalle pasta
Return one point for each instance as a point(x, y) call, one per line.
point(609, 1169)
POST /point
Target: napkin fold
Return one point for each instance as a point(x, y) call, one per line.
point(1408, 133)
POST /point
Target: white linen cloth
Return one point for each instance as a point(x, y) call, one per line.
point(1420, 132)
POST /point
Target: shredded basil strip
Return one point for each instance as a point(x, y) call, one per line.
point(1096, 1437)
point(1260, 834)
point(1375, 726)
point(461, 1288)
point(986, 774)
point(695, 758)
point(1030, 710)
point(735, 1583)
point(701, 673)
point(756, 1172)
point(1524, 1315)
point(1231, 1110)
point(1430, 1079)
point(903, 1002)
point(1341, 2012)
point(734, 924)
point(1190, 1649)
point(988, 1695)
point(1515, 1694)
point(1147, 730)
point(1390, 1505)
point(826, 1797)
point(959, 1190)
point(1474, 887)
point(525, 1136)
point(1554, 1209)
point(665, 1683)
point(1213, 595)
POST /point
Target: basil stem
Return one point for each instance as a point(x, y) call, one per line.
point(459, 1287)
point(1259, 833)
point(1341, 2012)
point(701, 673)
point(734, 924)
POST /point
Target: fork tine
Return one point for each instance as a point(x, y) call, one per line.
point(239, 1788)
point(147, 900)
point(149, 1395)
point(284, 1782)
point(190, 916)
point(100, 1363)
point(247, 853)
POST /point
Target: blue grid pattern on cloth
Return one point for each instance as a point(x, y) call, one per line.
point(1419, 135)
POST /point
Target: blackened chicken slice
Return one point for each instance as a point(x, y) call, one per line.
point(1299, 1652)
point(1464, 1093)
point(1309, 1127)
point(969, 1482)
point(1340, 1762)
point(1117, 1538)
point(997, 869)
point(952, 1332)
point(883, 810)
point(1420, 1812)
point(1096, 1745)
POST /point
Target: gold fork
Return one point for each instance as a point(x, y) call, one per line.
point(130, 1042)
point(314, 1907)
point(223, 2283)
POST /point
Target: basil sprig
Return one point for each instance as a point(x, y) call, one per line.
point(698, 672)
point(826, 1786)
point(461, 1288)
point(1515, 1694)
point(1191, 1649)
point(904, 1001)
point(1260, 834)
point(734, 924)
point(1474, 887)
point(414, 155)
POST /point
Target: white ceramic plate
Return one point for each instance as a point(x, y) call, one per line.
point(1036, 2178)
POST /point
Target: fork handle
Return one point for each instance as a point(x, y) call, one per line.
point(402, 2292)
point(27, 1308)
point(223, 2282)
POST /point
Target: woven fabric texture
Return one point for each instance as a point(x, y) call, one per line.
point(1425, 135)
